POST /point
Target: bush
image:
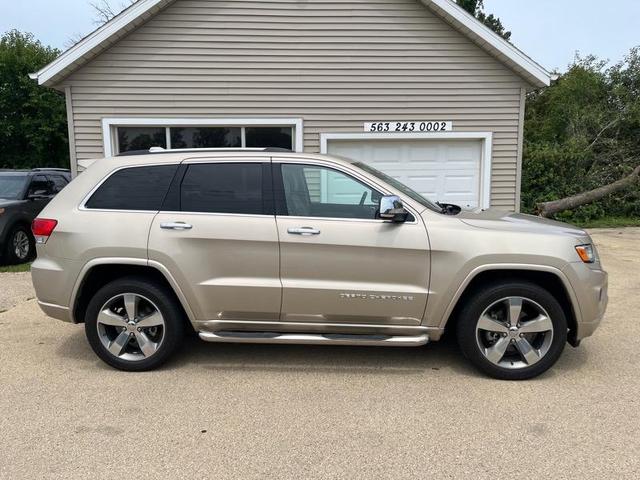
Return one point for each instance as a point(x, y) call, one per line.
point(581, 133)
point(33, 121)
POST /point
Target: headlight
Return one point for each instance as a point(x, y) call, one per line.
point(587, 253)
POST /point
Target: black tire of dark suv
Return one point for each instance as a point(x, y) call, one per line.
point(19, 236)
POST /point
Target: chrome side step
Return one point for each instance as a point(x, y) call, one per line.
point(314, 339)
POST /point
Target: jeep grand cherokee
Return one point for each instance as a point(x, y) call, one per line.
point(272, 247)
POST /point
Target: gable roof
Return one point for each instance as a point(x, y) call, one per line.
point(141, 11)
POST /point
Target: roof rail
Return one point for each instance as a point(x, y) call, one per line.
point(160, 150)
point(50, 170)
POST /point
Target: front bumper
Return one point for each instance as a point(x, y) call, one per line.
point(590, 285)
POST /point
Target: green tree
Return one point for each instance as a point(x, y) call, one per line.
point(476, 8)
point(583, 132)
point(33, 122)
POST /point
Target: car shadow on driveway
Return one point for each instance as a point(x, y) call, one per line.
point(338, 360)
point(196, 353)
point(321, 358)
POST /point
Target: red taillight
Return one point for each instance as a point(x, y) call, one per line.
point(42, 229)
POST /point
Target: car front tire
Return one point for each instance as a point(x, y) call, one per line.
point(512, 330)
point(134, 324)
point(20, 247)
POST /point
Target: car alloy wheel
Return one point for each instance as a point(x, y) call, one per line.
point(514, 333)
point(21, 245)
point(131, 327)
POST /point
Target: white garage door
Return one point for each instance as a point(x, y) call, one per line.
point(442, 170)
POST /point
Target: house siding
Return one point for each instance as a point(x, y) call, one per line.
point(335, 64)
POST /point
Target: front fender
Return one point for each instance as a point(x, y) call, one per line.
point(440, 318)
point(9, 220)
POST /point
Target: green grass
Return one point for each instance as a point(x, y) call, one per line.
point(25, 267)
point(610, 222)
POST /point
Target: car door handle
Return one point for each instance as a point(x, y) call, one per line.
point(304, 231)
point(175, 226)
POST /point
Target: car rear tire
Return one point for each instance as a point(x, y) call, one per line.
point(134, 324)
point(20, 247)
point(512, 330)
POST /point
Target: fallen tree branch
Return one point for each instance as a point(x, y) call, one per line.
point(548, 209)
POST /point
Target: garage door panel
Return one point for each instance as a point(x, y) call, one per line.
point(424, 185)
point(442, 170)
point(460, 184)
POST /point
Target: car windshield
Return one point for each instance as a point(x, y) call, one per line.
point(409, 192)
point(12, 186)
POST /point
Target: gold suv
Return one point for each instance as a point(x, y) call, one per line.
point(259, 246)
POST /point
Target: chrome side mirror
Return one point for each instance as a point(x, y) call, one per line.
point(391, 208)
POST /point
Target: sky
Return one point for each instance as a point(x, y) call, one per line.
point(551, 32)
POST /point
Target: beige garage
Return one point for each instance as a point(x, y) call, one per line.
point(418, 88)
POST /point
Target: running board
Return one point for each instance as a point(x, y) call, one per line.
point(314, 339)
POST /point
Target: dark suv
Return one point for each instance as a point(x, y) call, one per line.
point(23, 194)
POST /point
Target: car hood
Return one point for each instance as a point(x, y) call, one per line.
point(500, 220)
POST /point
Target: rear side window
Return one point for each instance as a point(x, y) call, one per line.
point(59, 182)
point(40, 185)
point(223, 188)
point(139, 188)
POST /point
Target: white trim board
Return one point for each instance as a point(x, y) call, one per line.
point(73, 155)
point(108, 125)
point(95, 39)
point(485, 162)
point(462, 18)
point(114, 29)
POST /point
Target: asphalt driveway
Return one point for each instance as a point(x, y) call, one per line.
point(242, 411)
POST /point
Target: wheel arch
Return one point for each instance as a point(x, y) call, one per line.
point(18, 221)
point(102, 271)
point(549, 278)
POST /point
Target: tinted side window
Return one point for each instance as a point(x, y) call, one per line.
point(314, 191)
point(59, 182)
point(223, 188)
point(138, 188)
point(40, 184)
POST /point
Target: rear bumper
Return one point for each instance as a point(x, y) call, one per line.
point(590, 285)
point(56, 311)
point(53, 280)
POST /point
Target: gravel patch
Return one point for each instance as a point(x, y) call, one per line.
point(15, 288)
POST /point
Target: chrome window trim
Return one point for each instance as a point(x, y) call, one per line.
point(354, 171)
point(257, 159)
point(83, 203)
point(241, 158)
point(349, 172)
point(357, 220)
point(188, 161)
point(215, 214)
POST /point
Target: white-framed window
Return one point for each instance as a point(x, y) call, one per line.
point(130, 134)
